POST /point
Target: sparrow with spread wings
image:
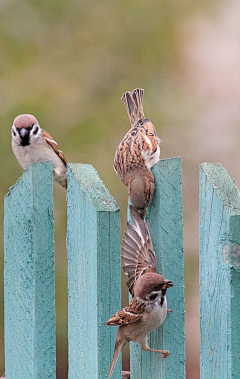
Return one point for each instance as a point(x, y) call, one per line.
point(137, 153)
point(148, 307)
point(32, 144)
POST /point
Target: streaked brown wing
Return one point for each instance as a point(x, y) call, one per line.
point(49, 139)
point(138, 254)
point(128, 156)
point(128, 315)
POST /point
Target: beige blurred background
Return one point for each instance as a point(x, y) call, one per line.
point(68, 63)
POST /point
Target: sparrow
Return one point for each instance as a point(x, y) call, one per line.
point(32, 144)
point(148, 307)
point(138, 151)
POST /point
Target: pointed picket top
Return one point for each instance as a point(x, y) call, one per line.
point(29, 277)
point(94, 274)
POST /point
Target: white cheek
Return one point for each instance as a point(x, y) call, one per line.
point(149, 143)
point(151, 159)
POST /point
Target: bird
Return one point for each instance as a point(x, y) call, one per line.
point(148, 307)
point(138, 151)
point(32, 144)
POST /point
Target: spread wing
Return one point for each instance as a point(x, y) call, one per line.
point(48, 138)
point(138, 254)
point(128, 315)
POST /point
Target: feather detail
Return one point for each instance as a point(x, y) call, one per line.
point(120, 342)
point(137, 152)
point(138, 254)
point(133, 102)
point(50, 141)
point(129, 315)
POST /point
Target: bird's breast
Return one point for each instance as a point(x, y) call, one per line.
point(155, 313)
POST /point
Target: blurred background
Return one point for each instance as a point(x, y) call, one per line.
point(69, 62)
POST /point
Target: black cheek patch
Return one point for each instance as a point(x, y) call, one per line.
point(153, 296)
point(36, 130)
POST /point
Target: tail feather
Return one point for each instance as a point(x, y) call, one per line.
point(133, 102)
point(120, 342)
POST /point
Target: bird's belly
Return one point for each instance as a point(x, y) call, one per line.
point(150, 321)
point(155, 318)
point(26, 155)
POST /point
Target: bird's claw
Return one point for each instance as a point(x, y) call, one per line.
point(165, 353)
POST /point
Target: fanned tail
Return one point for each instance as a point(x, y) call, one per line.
point(120, 342)
point(133, 102)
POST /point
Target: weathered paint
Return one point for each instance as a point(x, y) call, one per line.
point(29, 289)
point(94, 274)
point(165, 221)
point(219, 274)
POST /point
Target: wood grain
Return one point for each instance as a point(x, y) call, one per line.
point(94, 273)
point(165, 221)
point(29, 285)
point(219, 207)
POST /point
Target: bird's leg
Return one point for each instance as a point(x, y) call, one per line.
point(165, 353)
point(169, 310)
point(145, 347)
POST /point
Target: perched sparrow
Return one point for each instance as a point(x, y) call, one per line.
point(148, 307)
point(32, 144)
point(137, 153)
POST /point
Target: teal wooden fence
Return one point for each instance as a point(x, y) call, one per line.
point(165, 220)
point(94, 275)
point(29, 289)
point(219, 274)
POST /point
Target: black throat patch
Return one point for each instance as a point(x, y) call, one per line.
point(24, 140)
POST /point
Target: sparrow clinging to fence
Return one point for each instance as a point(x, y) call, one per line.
point(137, 153)
point(32, 144)
point(148, 307)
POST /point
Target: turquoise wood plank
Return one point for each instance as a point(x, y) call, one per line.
point(94, 274)
point(219, 274)
point(29, 289)
point(165, 221)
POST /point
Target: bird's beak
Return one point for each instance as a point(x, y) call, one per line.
point(23, 132)
point(167, 283)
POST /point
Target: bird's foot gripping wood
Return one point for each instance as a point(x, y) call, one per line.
point(165, 353)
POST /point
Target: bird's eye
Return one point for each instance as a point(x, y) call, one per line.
point(151, 134)
point(13, 133)
point(157, 288)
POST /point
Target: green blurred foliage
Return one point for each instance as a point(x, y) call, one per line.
point(68, 63)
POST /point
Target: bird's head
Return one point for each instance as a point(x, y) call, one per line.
point(25, 129)
point(151, 286)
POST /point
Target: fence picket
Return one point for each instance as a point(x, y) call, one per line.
point(29, 285)
point(94, 276)
point(164, 218)
point(219, 231)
